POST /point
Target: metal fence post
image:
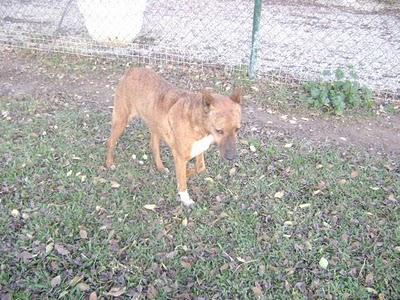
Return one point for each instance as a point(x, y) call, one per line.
point(255, 38)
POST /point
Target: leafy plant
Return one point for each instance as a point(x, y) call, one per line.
point(337, 95)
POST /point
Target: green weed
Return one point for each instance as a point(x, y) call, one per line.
point(344, 92)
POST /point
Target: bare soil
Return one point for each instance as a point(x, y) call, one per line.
point(92, 82)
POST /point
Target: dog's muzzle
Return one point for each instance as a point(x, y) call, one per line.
point(228, 149)
point(230, 154)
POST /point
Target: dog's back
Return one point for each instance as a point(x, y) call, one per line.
point(138, 92)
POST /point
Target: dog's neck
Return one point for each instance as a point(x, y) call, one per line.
point(199, 117)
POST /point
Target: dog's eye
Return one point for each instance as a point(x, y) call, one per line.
point(219, 131)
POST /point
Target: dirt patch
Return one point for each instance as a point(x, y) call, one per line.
point(24, 75)
point(372, 134)
point(92, 82)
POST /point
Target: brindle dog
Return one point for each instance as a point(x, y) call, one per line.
point(188, 122)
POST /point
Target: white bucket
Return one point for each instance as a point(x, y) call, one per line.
point(115, 22)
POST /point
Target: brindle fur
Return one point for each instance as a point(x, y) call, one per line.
point(177, 117)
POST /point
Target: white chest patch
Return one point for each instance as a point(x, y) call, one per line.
point(202, 145)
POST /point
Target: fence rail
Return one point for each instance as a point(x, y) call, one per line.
point(297, 39)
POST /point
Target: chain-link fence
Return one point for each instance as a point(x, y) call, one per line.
point(298, 40)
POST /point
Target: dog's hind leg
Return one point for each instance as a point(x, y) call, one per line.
point(155, 148)
point(120, 119)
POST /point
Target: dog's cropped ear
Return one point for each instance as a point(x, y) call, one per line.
point(237, 95)
point(208, 99)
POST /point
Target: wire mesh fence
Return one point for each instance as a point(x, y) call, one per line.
point(298, 40)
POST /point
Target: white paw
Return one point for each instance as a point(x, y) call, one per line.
point(185, 199)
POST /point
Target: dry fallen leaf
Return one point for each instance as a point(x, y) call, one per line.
point(209, 179)
point(288, 145)
point(116, 292)
point(323, 263)
point(102, 180)
point(308, 245)
point(354, 174)
point(252, 148)
point(83, 286)
point(114, 184)
point(288, 223)
point(261, 270)
point(257, 291)
point(184, 222)
point(232, 171)
point(279, 195)
point(185, 264)
point(151, 207)
point(288, 287)
point(61, 249)
point(15, 213)
point(240, 259)
point(55, 281)
point(49, 247)
point(151, 292)
point(224, 267)
point(83, 233)
point(371, 291)
point(316, 192)
point(93, 296)
point(97, 180)
point(326, 224)
point(74, 281)
point(26, 256)
point(305, 205)
point(369, 279)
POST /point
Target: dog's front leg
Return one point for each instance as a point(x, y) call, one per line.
point(180, 165)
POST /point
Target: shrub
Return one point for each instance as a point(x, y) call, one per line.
point(337, 95)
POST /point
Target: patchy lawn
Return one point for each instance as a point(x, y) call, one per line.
point(289, 220)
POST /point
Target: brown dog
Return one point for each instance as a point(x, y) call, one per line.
point(188, 122)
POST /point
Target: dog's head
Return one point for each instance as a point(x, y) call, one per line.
point(224, 116)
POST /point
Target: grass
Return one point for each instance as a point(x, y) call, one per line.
point(240, 241)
